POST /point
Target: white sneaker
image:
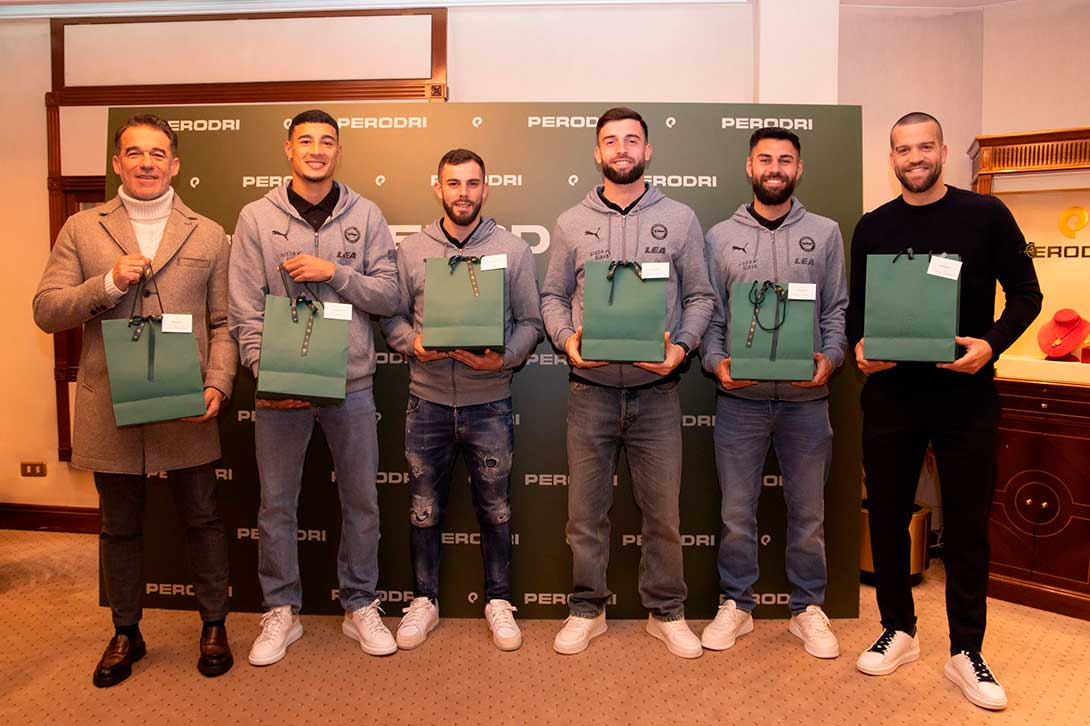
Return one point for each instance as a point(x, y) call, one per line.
point(972, 675)
point(364, 625)
point(679, 640)
point(893, 649)
point(421, 617)
point(505, 631)
point(730, 623)
point(577, 633)
point(812, 627)
point(280, 627)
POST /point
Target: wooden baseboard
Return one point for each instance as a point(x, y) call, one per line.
point(1037, 595)
point(44, 518)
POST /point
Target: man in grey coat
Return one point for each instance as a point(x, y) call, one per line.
point(93, 274)
point(460, 400)
point(323, 234)
point(634, 406)
point(775, 238)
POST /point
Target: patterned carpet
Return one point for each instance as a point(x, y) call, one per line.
point(48, 591)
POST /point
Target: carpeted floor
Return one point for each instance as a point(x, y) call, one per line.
point(56, 631)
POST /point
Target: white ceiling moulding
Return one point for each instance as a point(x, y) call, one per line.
point(129, 8)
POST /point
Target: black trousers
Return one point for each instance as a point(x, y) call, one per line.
point(121, 540)
point(959, 415)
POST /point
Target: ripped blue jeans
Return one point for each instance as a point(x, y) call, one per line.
point(484, 435)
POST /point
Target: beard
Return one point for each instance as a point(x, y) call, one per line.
point(773, 197)
point(634, 173)
point(922, 186)
point(462, 217)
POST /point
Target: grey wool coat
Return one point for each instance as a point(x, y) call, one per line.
point(190, 269)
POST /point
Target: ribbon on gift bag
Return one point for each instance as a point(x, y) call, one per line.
point(757, 296)
point(469, 260)
point(612, 272)
point(311, 302)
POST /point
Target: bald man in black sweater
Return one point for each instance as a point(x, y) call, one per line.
point(954, 406)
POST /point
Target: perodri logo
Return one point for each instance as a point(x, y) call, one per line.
point(701, 420)
point(494, 180)
point(390, 358)
point(377, 122)
point(468, 538)
point(383, 595)
point(175, 589)
point(553, 598)
point(246, 415)
point(748, 124)
point(682, 181)
point(262, 181)
point(1072, 221)
point(301, 535)
point(547, 359)
point(205, 124)
point(687, 540)
point(552, 480)
point(535, 235)
point(561, 122)
point(225, 474)
point(765, 598)
point(392, 477)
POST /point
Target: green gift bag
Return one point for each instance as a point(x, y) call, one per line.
point(154, 376)
point(463, 305)
point(771, 335)
point(304, 355)
point(910, 315)
point(624, 315)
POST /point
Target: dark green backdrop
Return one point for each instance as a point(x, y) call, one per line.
point(539, 158)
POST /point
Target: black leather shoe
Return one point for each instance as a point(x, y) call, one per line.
point(216, 658)
point(116, 662)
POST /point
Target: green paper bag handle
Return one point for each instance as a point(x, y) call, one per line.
point(469, 260)
point(301, 299)
point(612, 271)
point(757, 297)
point(139, 321)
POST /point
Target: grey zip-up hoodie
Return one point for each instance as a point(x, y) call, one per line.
point(805, 248)
point(657, 229)
point(446, 381)
point(355, 236)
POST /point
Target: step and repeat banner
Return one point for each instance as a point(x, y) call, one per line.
point(539, 159)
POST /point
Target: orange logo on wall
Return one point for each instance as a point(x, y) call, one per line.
point(1072, 220)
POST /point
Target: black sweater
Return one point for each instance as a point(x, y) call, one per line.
point(983, 232)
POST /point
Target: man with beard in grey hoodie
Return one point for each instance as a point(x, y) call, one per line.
point(775, 238)
point(460, 401)
point(325, 235)
point(634, 406)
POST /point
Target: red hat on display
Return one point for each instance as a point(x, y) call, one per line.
point(1063, 333)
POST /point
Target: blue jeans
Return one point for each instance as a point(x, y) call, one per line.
point(434, 435)
point(281, 437)
point(646, 422)
point(800, 433)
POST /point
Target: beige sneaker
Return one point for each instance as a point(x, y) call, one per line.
point(577, 633)
point(812, 627)
point(679, 640)
point(280, 627)
point(730, 624)
point(364, 625)
point(505, 631)
point(421, 617)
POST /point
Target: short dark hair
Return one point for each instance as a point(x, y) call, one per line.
point(916, 117)
point(457, 157)
point(151, 121)
point(314, 116)
point(620, 113)
point(776, 132)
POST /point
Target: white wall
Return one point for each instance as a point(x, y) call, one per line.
point(1036, 56)
point(896, 61)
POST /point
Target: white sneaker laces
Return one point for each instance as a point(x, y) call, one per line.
point(272, 623)
point(501, 614)
point(814, 622)
point(415, 614)
point(370, 618)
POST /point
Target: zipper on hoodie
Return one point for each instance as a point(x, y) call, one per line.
point(776, 279)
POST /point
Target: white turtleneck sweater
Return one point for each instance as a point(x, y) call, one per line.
point(149, 220)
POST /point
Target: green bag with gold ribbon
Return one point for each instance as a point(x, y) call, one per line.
point(304, 354)
point(154, 375)
point(463, 305)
